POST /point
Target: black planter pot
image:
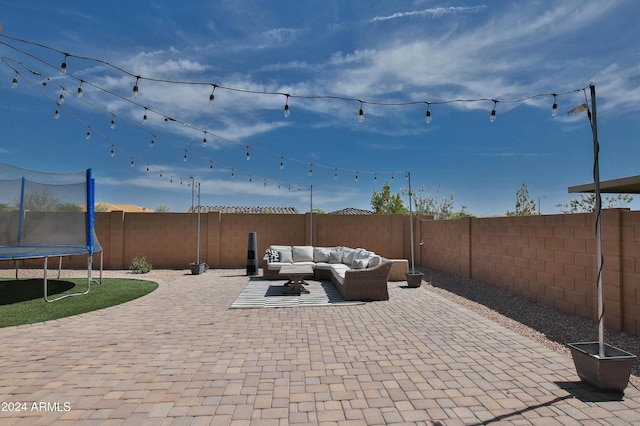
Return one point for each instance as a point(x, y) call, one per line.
point(197, 268)
point(414, 279)
point(610, 373)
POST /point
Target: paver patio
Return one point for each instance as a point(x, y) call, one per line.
point(180, 356)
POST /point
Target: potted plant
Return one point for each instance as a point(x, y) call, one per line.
point(414, 278)
point(597, 363)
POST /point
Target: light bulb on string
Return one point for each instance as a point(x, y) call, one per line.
point(281, 163)
point(212, 97)
point(144, 117)
point(152, 143)
point(357, 176)
point(80, 93)
point(14, 82)
point(63, 65)
point(171, 179)
point(310, 169)
point(361, 114)
point(147, 169)
point(204, 140)
point(135, 87)
point(113, 151)
point(184, 157)
point(160, 174)
point(265, 183)
point(248, 155)
point(132, 162)
point(56, 115)
point(375, 177)
point(210, 165)
point(61, 97)
point(428, 114)
point(113, 122)
point(554, 108)
point(88, 134)
point(250, 178)
point(233, 172)
point(391, 177)
point(287, 113)
point(335, 174)
point(492, 118)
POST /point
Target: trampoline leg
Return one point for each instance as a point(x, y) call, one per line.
point(46, 262)
point(60, 267)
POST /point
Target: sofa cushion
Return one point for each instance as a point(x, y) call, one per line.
point(374, 260)
point(285, 256)
point(338, 271)
point(335, 255)
point(302, 253)
point(323, 266)
point(348, 255)
point(321, 254)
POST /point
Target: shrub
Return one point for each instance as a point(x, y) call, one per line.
point(140, 265)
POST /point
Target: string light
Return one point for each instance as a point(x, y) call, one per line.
point(113, 122)
point(287, 113)
point(152, 143)
point(554, 108)
point(375, 177)
point(357, 176)
point(63, 66)
point(135, 88)
point(56, 115)
point(14, 82)
point(144, 117)
point(335, 174)
point(132, 162)
point(310, 169)
point(147, 169)
point(361, 114)
point(80, 94)
point(113, 151)
point(248, 155)
point(281, 163)
point(88, 135)
point(233, 172)
point(210, 165)
point(428, 114)
point(184, 157)
point(61, 97)
point(204, 140)
point(212, 96)
point(492, 118)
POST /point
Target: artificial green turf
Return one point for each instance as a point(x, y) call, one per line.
point(22, 301)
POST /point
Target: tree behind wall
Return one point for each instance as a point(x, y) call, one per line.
point(525, 206)
point(587, 202)
point(384, 202)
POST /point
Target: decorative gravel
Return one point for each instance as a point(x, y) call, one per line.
point(544, 324)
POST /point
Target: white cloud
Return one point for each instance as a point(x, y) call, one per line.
point(433, 13)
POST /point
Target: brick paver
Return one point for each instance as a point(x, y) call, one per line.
point(180, 356)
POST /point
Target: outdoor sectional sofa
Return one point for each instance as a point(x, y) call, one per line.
point(358, 274)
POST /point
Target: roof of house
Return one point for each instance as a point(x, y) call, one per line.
point(127, 208)
point(249, 210)
point(627, 185)
point(353, 211)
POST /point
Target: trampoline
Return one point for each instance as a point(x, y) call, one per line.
point(44, 215)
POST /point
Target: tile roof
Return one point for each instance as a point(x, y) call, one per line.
point(351, 210)
point(249, 210)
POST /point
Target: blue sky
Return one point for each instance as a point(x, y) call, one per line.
point(326, 56)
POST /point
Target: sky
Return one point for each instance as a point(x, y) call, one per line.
point(325, 60)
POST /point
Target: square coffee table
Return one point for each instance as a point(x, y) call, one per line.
point(295, 274)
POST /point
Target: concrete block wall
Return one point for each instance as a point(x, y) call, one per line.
point(547, 259)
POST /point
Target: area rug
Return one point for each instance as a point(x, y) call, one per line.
point(259, 293)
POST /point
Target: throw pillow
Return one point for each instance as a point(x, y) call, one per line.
point(286, 257)
point(335, 255)
point(374, 261)
point(348, 256)
point(272, 255)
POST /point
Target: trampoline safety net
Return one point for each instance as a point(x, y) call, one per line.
point(46, 215)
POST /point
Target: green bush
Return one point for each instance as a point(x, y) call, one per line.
point(140, 265)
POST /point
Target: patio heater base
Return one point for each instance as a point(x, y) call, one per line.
point(610, 373)
point(197, 268)
point(414, 279)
